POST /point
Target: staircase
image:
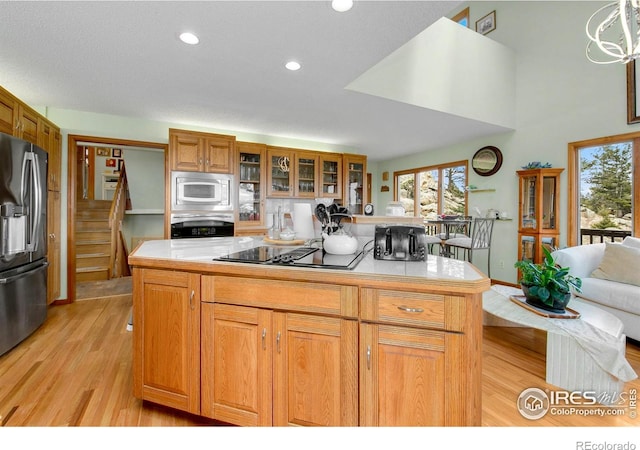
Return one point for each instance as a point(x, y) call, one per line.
point(93, 240)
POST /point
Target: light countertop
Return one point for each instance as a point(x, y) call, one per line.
point(205, 250)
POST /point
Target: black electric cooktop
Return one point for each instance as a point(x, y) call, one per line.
point(298, 257)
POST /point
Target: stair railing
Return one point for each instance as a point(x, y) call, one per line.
point(118, 265)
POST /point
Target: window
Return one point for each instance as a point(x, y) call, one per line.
point(429, 191)
point(604, 189)
point(462, 17)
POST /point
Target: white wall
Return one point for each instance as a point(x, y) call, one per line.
point(561, 97)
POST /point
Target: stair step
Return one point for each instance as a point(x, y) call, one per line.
point(96, 274)
point(93, 204)
point(93, 235)
point(89, 262)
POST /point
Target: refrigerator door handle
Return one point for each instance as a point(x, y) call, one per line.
point(34, 212)
point(23, 274)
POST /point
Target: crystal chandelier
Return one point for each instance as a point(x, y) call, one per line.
point(614, 29)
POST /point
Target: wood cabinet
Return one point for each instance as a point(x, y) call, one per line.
point(538, 212)
point(294, 368)
point(415, 364)
point(292, 172)
point(252, 171)
point(355, 186)
point(292, 352)
point(330, 175)
point(53, 245)
point(20, 120)
point(201, 152)
point(166, 352)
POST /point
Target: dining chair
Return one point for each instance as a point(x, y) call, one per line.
point(480, 239)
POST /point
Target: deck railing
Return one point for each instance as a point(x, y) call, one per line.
point(594, 236)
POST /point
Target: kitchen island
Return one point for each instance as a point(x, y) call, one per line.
point(388, 343)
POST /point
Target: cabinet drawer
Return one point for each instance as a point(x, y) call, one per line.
point(405, 308)
point(283, 295)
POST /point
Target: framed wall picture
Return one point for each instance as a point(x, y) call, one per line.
point(101, 151)
point(487, 24)
point(633, 115)
point(117, 153)
point(111, 162)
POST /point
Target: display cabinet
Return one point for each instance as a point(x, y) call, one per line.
point(306, 167)
point(331, 175)
point(280, 172)
point(538, 212)
point(252, 175)
point(354, 182)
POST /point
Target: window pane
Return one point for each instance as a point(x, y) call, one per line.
point(406, 192)
point(453, 183)
point(428, 194)
point(605, 192)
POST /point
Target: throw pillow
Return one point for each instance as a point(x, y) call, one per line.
point(620, 263)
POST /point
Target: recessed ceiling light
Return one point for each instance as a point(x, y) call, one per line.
point(292, 65)
point(189, 38)
point(342, 5)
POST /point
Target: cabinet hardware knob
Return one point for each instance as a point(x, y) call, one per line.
point(411, 310)
point(191, 297)
point(264, 339)
point(368, 357)
point(278, 342)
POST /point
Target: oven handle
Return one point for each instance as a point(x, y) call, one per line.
point(181, 218)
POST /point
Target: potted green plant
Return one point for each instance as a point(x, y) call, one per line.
point(547, 285)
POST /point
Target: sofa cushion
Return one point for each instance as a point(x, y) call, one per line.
point(620, 263)
point(622, 296)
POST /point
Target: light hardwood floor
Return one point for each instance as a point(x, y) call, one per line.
point(76, 371)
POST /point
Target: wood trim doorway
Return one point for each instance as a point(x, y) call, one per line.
point(72, 183)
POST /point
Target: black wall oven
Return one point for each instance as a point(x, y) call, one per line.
point(201, 225)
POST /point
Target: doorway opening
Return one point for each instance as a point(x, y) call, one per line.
point(82, 161)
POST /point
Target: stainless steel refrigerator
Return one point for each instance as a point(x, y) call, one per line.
point(23, 243)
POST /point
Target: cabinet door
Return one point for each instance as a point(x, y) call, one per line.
point(315, 370)
point(49, 140)
point(28, 120)
point(236, 364)
point(8, 111)
point(252, 176)
point(219, 155)
point(355, 182)
point(306, 173)
point(403, 376)
point(187, 152)
point(53, 246)
point(166, 335)
point(281, 167)
point(331, 176)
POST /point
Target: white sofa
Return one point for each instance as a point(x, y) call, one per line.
point(621, 299)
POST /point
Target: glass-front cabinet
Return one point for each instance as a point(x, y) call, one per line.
point(538, 212)
point(281, 171)
point(355, 169)
point(331, 176)
point(306, 168)
point(251, 183)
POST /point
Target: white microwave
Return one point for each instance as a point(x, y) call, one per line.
point(198, 191)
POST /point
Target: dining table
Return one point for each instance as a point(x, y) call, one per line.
point(447, 224)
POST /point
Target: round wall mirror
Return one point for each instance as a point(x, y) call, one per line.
point(487, 161)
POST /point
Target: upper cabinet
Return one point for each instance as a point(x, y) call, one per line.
point(355, 188)
point(252, 176)
point(330, 175)
point(201, 152)
point(292, 173)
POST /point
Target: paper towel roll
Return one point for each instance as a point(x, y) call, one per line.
point(303, 221)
